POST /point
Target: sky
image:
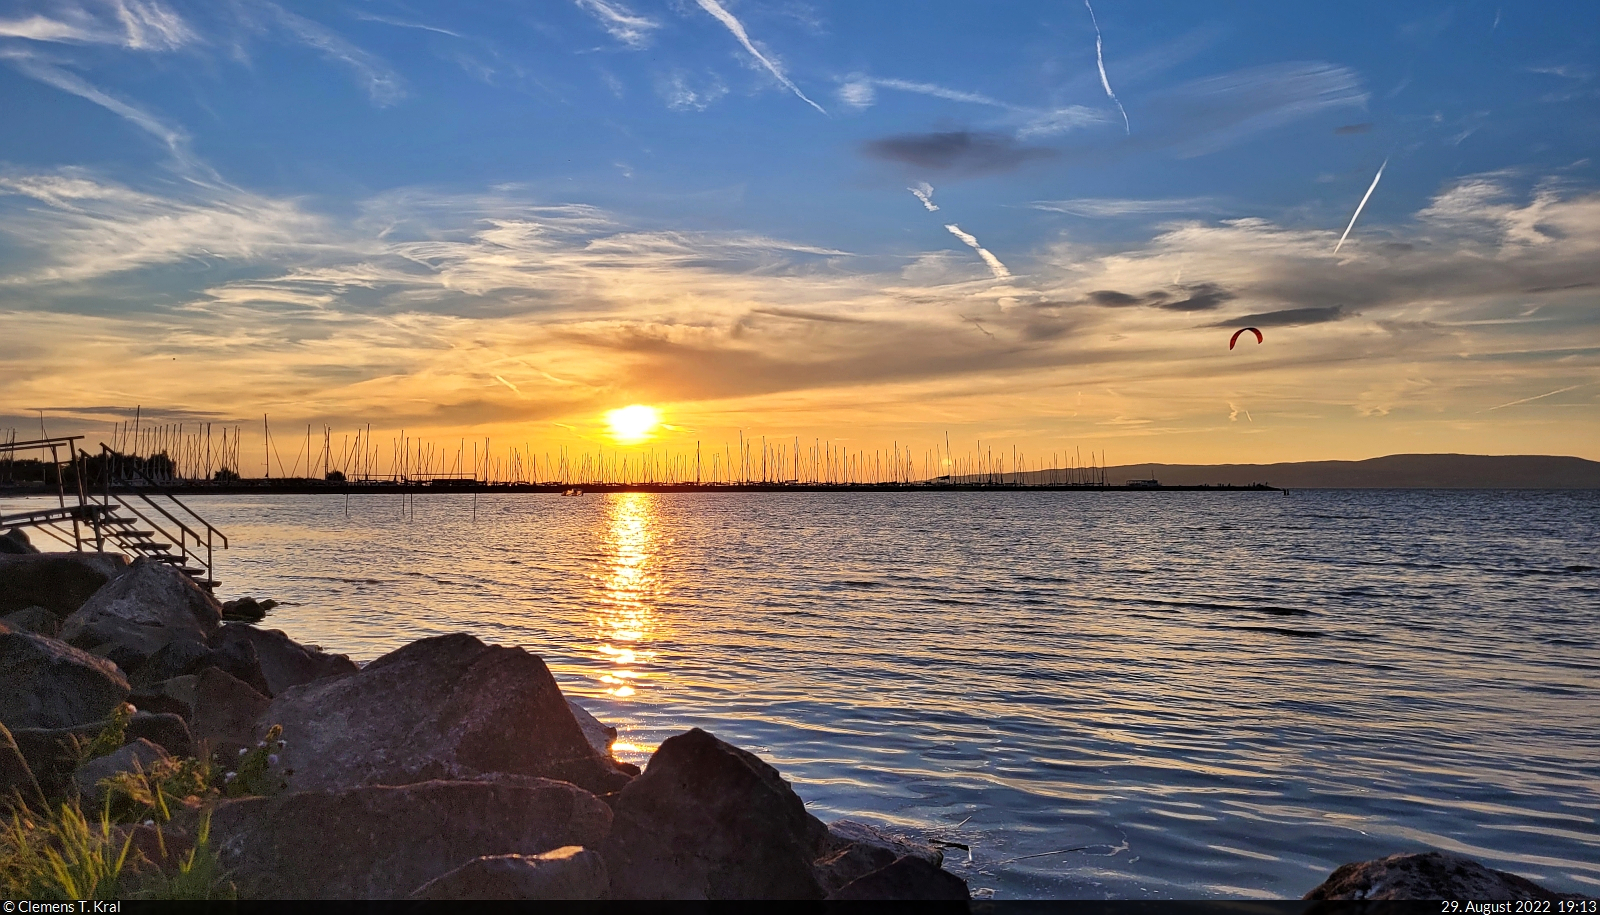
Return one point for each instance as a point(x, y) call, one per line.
point(1034, 224)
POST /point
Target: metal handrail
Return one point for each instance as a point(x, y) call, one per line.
point(182, 544)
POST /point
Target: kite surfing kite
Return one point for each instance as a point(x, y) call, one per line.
point(1259, 338)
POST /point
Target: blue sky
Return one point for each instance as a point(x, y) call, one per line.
point(509, 217)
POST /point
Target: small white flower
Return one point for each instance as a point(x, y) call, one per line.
point(230, 776)
point(282, 744)
point(149, 822)
point(272, 759)
point(261, 744)
point(243, 751)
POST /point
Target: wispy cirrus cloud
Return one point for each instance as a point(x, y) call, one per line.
point(737, 28)
point(620, 22)
point(1113, 207)
point(860, 92)
point(138, 25)
point(55, 75)
point(382, 84)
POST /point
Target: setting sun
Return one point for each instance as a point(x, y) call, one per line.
point(633, 423)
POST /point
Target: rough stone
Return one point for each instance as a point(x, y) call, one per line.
point(245, 609)
point(52, 753)
point(50, 684)
point(708, 820)
point(283, 662)
point(182, 656)
point(448, 707)
point(17, 783)
point(36, 619)
point(855, 850)
point(1429, 875)
point(59, 582)
point(226, 710)
point(599, 736)
point(135, 756)
point(570, 872)
point(907, 878)
point(175, 696)
point(384, 842)
point(144, 609)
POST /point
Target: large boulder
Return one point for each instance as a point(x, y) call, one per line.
point(17, 783)
point(59, 582)
point(225, 712)
point(181, 657)
point(570, 872)
point(708, 820)
point(858, 849)
point(283, 661)
point(136, 756)
point(52, 753)
point(448, 707)
point(144, 609)
point(175, 696)
point(33, 619)
point(50, 684)
point(385, 842)
point(906, 878)
point(1428, 875)
point(599, 735)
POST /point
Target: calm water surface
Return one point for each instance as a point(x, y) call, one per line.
point(1204, 694)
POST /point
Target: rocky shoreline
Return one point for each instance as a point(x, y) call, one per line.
point(446, 769)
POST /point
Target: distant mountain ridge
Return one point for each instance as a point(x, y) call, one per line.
point(1395, 471)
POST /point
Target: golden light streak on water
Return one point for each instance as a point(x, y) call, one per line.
point(628, 590)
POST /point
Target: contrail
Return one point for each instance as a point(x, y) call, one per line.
point(737, 28)
point(1100, 58)
point(1359, 207)
point(1539, 397)
point(999, 269)
point(508, 384)
point(924, 192)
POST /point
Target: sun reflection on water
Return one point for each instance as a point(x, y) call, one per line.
point(627, 588)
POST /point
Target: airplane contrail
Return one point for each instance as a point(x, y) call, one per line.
point(924, 192)
point(1538, 397)
point(737, 28)
point(1100, 58)
point(1359, 207)
point(999, 269)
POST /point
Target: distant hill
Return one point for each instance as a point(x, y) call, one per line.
point(1396, 471)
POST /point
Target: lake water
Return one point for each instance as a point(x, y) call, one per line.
point(1205, 694)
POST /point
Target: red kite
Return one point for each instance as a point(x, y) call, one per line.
point(1241, 330)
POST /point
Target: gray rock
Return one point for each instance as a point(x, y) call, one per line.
point(245, 609)
point(599, 736)
point(136, 756)
point(59, 582)
point(570, 872)
point(182, 656)
point(52, 753)
point(15, 541)
point(50, 684)
point(17, 783)
point(708, 820)
point(385, 842)
point(34, 619)
point(1429, 875)
point(144, 609)
point(855, 850)
point(175, 696)
point(449, 707)
point(226, 710)
point(283, 662)
point(907, 878)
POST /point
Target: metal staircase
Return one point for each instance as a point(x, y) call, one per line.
point(117, 505)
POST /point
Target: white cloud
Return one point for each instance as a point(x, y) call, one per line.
point(620, 22)
point(140, 25)
point(383, 84)
point(52, 75)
